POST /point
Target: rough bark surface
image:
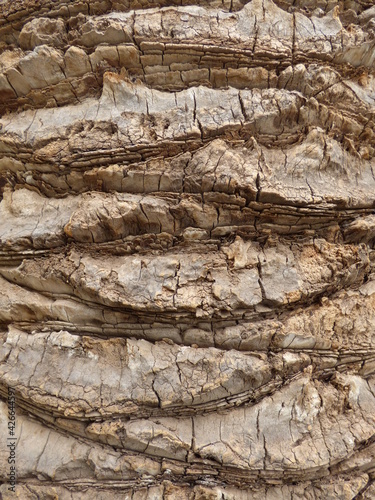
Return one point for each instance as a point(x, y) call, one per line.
point(187, 224)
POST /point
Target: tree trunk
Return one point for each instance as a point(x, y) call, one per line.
point(187, 301)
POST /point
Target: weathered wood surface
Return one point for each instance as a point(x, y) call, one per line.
point(187, 227)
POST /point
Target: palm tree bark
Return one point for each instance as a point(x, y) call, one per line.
point(187, 300)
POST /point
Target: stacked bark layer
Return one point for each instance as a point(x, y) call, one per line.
point(187, 300)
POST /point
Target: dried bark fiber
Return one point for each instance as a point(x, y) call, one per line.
point(187, 228)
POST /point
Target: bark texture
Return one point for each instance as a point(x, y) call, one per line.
point(187, 224)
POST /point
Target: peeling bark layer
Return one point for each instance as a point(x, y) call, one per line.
point(187, 228)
